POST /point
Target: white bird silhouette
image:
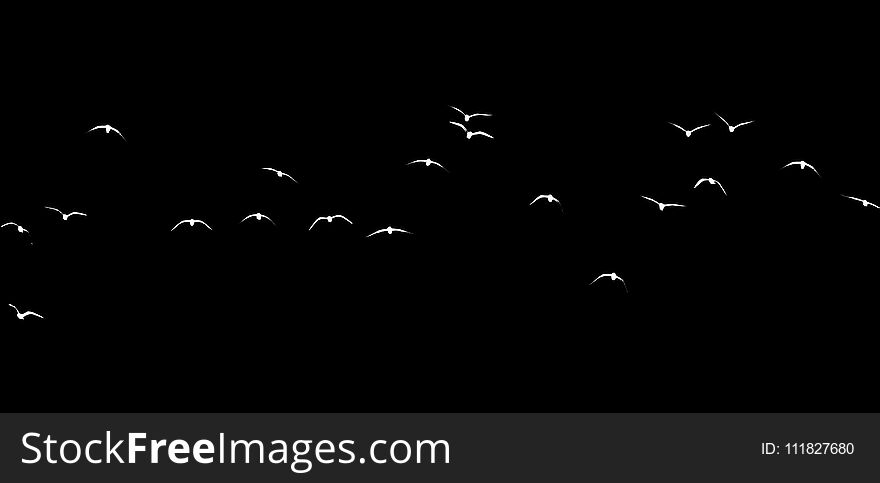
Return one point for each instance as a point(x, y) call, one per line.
point(612, 276)
point(802, 164)
point(467, 117)
point(864, 203)
point(107, 128)
point(329, 219)
point(471, 134)
point(21, 316)
point(258, 216)
point(688, 132)
point(191, 223)
point(281, 174)
point(711, 181)
point(388, 230)
point(20, 228)
point(732, 128)
point(549, 198)
point(662, 205)
point(63, 215)
point(428, 162)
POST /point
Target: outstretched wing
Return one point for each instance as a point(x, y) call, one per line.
point(14, 307)
point(438, 164)
point(872, 204)
point(459, 125)
point(315, 222)
point(289, 176)
point(743, 124)
point(7, 224)
point(597, 278)
point(202, 222)
point(650, 199)
point(814, 170)
point(117, 132)
point(789, 164)
point(54, 209)
point(700, 181)
point(96, 127)
point(246, 217)
point(31, 313)
point(178, 224)
point(722, 187)
point(719, 117)
point(480, 114)
point(346, 219)
point(481, 133)
point(459, 110)
point(701, 127)
point(536, 199)
point(271, 169)
point(675, 204)
point(676, 125)
point(624, 284)
point(376, 232)
point(76, 213)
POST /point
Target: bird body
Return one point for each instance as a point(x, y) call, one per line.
point(711, 181)
point(688, 132)
point(281, 174)
point(192, 222)
point(21, 315)
point(613, 276)
point(467, 117)
point(65, 216)
point(21, 229)
point(864, 203)
point(329, 219)
point(470, 134)
point(389, 230)
point(733, 128)
point(258, 216)
point(428, 162)
point(802, 164)
point(663, 205)
point(107, 129)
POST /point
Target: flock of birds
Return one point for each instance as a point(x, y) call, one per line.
point(549, 198)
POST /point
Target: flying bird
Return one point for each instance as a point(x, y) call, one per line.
point(63, 215)
point(732, 128)
point(612, 276)
point(470, 134)
point(802, 164)
point(329, 219)
point(467, 117)
point(688, 132)
point(428, 162)
point(864, 203)
point(20, 228)
point(549, 198)
point(711, 181)
point(192, 223)
point(662, 205)
point(281, 174)
point(389, 231)
point(107, 128)
point(21, 316)
point(258, 216)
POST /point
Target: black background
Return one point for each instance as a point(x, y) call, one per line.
point(762, 300)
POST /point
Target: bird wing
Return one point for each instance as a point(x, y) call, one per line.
point(722, 188)
point(481, 114)
point(789, 164)
point(6, 224)
point(597, 278)
point(289, 176)
point(701, 127)
point(872, 204)
point(271, 169)
point(96, 127)
point(31, 313)
point(117, 132)
point(743, 124)
point(376, 232)
point(346, 219)
point(54, 209)
point(676, 125)
point(402, 231)
point(202, 222)
point(444, 168)
point(624, 284)
point(650, 199)
point(536, 199)
point(675, 204)
point(315, 222)
point(845, 196)
point(178, 224)
point(270, 219)
point(481, 133)
point(814, 170)
point(76, 213)
point(700, 181)
point(417, 161)
point(459, 110)
point(246, 217)
point(719, 117)
point(459, 125)
point(14, 307)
